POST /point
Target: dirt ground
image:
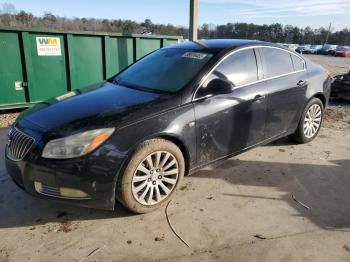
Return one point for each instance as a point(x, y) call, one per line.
point(280, 202)
point(336, 65)
point(8, 117)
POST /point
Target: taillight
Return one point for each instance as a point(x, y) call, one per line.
point(330, 76)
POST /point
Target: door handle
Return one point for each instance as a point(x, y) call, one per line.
point(301, 83)
point(258, 98)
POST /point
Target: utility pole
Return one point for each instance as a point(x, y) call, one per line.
point(329, 30)
point(193, 20)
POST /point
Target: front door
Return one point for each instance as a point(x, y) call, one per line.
point(228, 123)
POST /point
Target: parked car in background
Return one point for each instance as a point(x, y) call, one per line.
point(133, 137)
point(302, 49)
point(282, 45)
point(341, 86)
point(291, 47)
point(313, 49)
point(343, 52)
point(338, 48)
point(326, 49)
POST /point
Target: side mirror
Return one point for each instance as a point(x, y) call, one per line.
point(219, 86)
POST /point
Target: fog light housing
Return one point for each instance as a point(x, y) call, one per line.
point(73, 193)
point(60, 192)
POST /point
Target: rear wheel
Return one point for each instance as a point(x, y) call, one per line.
point(151, 176)
point(310, 122)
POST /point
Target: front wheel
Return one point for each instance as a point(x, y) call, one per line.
point(151, 176)
point(310, 122)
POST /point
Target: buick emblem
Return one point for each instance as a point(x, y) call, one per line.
point(9, 138)
point(8, 142)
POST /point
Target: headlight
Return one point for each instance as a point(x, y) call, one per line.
point(76, 145)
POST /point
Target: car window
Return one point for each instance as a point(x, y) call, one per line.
point(239, 68)
point(298, 63)
point(167, 70)
point(276, 62)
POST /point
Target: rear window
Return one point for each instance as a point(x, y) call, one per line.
point(298, 63)
point(276, 62)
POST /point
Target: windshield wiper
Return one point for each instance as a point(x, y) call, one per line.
point(140, 88)
point(114, 81)
point(129, 86)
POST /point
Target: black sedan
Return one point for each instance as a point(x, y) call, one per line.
point(134, 137)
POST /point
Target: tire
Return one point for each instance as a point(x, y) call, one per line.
point(140, 176)
point(303, 136)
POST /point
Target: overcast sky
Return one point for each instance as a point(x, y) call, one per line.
point(315, 13)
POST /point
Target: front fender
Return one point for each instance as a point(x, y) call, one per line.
point(178, 123)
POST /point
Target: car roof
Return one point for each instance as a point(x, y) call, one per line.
point(217, 45)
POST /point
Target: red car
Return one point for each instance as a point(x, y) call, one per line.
point(343, 53)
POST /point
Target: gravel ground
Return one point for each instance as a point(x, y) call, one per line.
point(7, 118)
point(336, 65)
point(338, 115)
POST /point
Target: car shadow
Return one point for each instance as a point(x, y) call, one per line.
point(318, 192)
point(285, 141)
point(19, 209)
point(30, 211)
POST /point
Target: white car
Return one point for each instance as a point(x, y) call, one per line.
point(314, 48)
point(302, 49)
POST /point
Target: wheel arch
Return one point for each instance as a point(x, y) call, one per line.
point(181, 145)
point(170, 137)
point(320, 96)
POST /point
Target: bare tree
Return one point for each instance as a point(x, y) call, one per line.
point(8, 8)
point(274, 32)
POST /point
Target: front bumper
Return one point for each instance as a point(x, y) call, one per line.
point(94, 174)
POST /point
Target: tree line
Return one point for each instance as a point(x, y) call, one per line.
point(274, 32)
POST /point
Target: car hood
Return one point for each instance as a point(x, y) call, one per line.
point(100, 105)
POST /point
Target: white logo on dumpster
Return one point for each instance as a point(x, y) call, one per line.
point(48, 46)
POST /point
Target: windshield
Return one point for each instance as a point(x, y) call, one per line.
point(165, 70)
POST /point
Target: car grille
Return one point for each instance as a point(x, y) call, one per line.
point(19, 144)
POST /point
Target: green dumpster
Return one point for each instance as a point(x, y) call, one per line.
point(38, 64)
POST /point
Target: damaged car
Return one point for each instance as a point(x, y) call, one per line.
point(341, 86)
point(134, 137)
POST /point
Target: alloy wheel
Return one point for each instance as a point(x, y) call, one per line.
point(155, 178)
point(312, 120)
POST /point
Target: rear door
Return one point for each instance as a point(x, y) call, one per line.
point(286, 81)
